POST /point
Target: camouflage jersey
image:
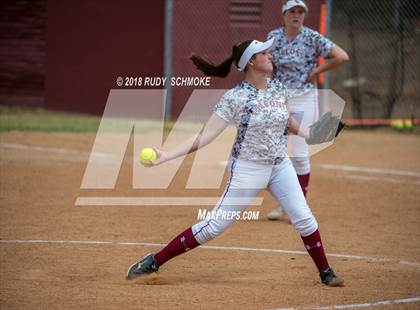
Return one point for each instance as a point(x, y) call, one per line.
point(261, 118)
point(295, 60)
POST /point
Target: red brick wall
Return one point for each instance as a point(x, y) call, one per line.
point(22, 51)
point(91, 43)
point(71, 59)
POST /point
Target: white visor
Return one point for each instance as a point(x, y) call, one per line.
point(292, 3)
point(254, 48)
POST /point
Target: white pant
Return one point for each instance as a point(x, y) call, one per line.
point(246, 180)
point(305, 110)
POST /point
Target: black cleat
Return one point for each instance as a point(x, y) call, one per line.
point(146, 265)
point(328, 277)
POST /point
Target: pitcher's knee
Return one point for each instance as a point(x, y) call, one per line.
point(208, 230)
point(302, 165)
point(306, 226)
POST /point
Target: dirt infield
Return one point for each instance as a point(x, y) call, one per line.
point(369, 220)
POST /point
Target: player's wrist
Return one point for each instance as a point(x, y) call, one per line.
point(169, 155)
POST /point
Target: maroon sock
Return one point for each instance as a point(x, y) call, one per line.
point(180, 244)
point(313, 245)
point(304, 182)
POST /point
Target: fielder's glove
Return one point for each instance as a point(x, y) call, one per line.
point(325, 129)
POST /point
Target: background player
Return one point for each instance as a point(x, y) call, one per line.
point(257, 106)
point(295, 55)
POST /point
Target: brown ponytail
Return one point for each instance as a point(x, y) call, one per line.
point(223, 69)
point(209, 68)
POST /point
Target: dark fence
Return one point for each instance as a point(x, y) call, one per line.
point(382, 80)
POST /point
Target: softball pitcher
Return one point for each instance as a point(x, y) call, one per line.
point(258, 108)
point(295, 54)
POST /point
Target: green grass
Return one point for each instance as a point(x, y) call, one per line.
point(31, 119)
point(27, 119)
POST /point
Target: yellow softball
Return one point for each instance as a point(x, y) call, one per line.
point(147, 155)
point(397, 124)
point(408, 124)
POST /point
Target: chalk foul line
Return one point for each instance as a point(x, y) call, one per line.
point(347, 168)
point(355, 306)
point(233, 248)
point(210, 247)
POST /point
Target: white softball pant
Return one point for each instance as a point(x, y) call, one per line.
point(246, 180)
point(305, 110)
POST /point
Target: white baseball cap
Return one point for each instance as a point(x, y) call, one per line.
point(253, 48)
point(292, 3)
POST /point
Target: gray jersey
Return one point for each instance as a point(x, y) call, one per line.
point(261, 117)
point(296, 59)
